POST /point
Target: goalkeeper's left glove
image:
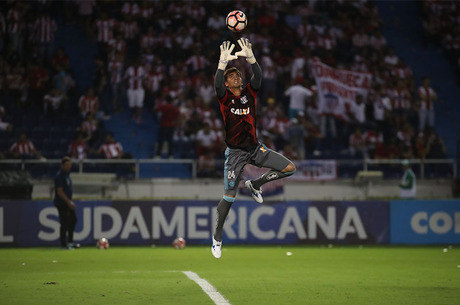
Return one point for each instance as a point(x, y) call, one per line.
point(246, 50)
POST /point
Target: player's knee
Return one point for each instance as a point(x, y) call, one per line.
point(290, 169)
point(229, 198)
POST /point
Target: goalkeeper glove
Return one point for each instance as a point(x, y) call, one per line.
point(226, 49)
point(246, 50)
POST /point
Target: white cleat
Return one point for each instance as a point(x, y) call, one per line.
point(216, 248)
point(256, 194)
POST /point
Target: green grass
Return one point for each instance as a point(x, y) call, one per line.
point(244, 275)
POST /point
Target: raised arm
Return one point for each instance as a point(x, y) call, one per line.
point(246, 51)
point(219, 83)
point(226, 49)
point(256, 79)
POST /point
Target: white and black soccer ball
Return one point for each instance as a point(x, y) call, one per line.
point(236, 21)
point(179, 243)
point(102, 243)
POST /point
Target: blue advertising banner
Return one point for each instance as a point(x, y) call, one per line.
point(35, 223)
point(425, 222)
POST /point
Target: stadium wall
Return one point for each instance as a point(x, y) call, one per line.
point(211, 189)
point(35, 223)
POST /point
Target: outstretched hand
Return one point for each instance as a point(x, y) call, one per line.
point(226, 49)
point(246, 50)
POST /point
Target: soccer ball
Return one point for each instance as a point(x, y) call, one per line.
point(179, 243)
point(236, 21)
point(102, 243)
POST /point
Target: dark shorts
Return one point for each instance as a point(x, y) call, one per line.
point(236, 159)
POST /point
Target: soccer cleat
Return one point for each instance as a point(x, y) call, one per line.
point(73, 245)
point(216, 248)
point(256, 194)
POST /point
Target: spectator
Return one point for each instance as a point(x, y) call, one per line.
point(63, 81)
point(4, 126)
point(135, 75)
point(298, 95)
point(37, 78)
point(327, 115)
point(391, 59)
point(88, 103)
point(356, 111)
point(130, 9)
point(148, 39)
point(373, 137)
point(168, 115)
point(90, 130)
point(45, 27)
point(24, 149)
point(15, 28)
point(435, 148)
point(382, 107)
point(104, 28)
point(52, 102)
point(357, 144)
point(115, 68)
point(427, 97)
point(129, 29)
point(78, 149)
point(297, 134)
point(111, 149)
point(17, 84)
point(153, 84)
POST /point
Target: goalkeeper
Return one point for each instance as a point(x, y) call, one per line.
point(238, 105)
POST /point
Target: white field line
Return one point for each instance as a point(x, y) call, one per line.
point(116, 272)
point(209, 289)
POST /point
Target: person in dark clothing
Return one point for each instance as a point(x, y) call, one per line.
point(169, 113)
point(64, 204)
point(238, 105)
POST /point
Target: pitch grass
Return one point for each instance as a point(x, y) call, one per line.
point(244, 275)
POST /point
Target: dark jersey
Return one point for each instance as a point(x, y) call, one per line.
point(62, 179)
point(240, 118)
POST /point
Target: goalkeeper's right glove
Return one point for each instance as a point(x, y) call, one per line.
point(226, 49)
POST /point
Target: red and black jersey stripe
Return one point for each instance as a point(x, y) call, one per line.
point(240, 118)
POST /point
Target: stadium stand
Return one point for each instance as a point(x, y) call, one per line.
point(60, 56)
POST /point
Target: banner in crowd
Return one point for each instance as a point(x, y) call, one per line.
point(315, 170)
point(35, 223)
point(425, 222)
point(337, 87)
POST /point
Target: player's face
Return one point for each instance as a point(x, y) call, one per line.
point(234, 80)
point(66, 166)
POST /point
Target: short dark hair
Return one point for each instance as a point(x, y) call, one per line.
point(65, 159)
point(230, 70)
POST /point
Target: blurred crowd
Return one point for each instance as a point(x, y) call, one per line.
point(160, 57)
point(442, 25)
